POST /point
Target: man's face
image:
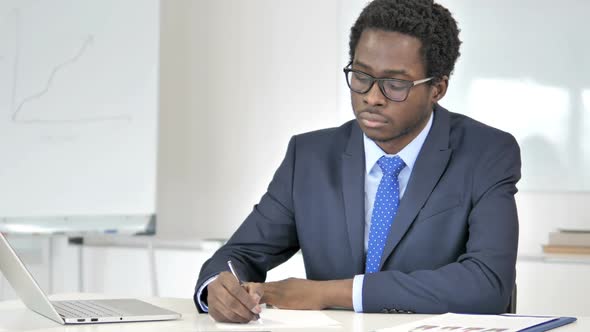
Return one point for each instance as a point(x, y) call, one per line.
point(386, 54)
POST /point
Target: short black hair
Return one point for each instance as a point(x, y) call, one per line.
point(430, 22)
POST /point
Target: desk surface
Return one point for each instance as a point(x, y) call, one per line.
point(15, 317)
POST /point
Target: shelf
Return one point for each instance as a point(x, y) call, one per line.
point(554, 258)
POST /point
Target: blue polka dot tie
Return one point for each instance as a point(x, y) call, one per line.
point(384, 210)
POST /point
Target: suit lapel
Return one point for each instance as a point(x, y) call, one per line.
point(430, 165)
point(353, 190)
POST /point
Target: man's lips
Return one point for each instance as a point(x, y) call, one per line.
point(372, 120)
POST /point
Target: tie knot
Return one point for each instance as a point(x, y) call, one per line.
point(391, 165)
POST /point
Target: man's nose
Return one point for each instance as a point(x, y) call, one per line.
point(374, 96)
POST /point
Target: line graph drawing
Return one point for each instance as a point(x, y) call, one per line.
point(78, 106)
point(18, 106)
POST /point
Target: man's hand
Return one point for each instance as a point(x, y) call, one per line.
point(230, 302)
point(305, 294)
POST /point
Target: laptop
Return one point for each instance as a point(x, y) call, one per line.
point(73, 312)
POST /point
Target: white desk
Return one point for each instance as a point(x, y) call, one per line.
point(15, 317)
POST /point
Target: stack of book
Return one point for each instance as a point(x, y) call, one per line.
point(569, 241)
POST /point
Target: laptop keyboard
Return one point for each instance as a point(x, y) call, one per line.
point(85, 309)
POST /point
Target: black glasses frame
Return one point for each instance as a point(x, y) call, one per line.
point(408, 85)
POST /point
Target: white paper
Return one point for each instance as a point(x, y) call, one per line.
point(279, 318)
point(460, 323)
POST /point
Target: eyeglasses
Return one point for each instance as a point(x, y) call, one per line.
point(392, 88)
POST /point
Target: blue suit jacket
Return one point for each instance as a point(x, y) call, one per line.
point(452, 246)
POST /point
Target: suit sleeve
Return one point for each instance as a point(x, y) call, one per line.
point(480, 280)
point(266, 238)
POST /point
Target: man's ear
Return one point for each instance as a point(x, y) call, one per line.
point(439, 89)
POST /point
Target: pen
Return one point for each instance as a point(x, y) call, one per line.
point(233, 271)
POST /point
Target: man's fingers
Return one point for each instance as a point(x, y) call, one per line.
point(231, 302)
point(240, 293)
point(232, 310)
point(216, 307)
point(218, 316)
point(224, 305)
point(236, 311)
point(256, 292)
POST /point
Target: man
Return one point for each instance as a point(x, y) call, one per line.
point(409, 208)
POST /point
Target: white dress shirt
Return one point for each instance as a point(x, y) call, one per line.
point(373, 175)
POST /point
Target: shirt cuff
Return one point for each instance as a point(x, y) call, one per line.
point(201, 301)
point(357, 292)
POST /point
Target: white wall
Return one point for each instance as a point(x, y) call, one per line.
point(239, 78)
point(519, 73)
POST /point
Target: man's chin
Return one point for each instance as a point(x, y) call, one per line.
point(383, 137)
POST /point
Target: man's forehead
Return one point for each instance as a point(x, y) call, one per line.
point(388, 52)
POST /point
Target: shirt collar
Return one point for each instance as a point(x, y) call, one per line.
point(408, 154)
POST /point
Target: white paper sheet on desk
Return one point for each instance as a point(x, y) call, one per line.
point(459, 322)
point(278, 318)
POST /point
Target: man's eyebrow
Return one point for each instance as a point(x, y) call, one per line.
point(386, 72)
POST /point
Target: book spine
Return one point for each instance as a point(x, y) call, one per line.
point(554, 249)
point(569, 239)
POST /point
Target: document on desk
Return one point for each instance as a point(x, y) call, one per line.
point(480, 323)
point(279, 318)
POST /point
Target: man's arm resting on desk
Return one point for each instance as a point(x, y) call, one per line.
point(303, 294)
point(334, 295)
point(295, 293)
